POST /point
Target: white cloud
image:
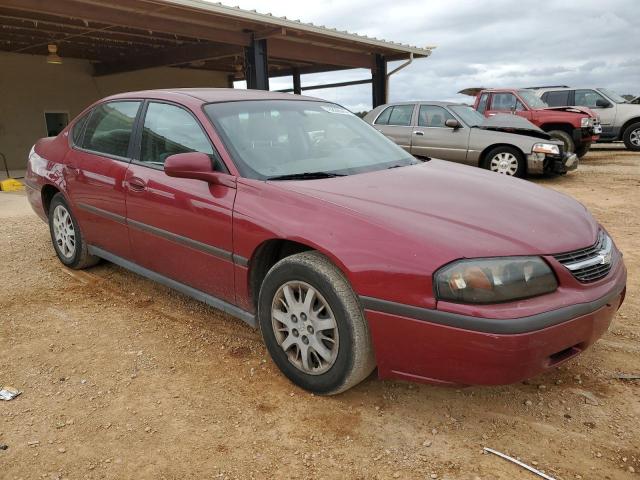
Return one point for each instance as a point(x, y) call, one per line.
point(480, 43)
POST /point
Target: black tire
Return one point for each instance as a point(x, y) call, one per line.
point(583, 149)
point(632, 144)
point(355, 357)
point(565, 138)
point(79, 258)
point(521, 169)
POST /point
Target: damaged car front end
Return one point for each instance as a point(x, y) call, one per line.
point(545, 156)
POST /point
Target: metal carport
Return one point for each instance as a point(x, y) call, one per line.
point(126, 35)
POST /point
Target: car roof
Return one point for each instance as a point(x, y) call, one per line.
point(426, 102)
point(210, 95)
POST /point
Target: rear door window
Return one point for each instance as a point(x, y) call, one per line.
point(401, 115)
point(109, 128)
point(557, 99)
point(398, 115)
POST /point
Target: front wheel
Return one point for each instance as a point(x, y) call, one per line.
point(313, 325)
point(631, 137)
point(66, 236)
point(507, 161)
point(565, 138)
point(582, 150)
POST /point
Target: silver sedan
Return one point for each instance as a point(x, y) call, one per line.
point(505, 144)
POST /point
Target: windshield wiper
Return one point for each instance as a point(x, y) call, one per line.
point(306, 176)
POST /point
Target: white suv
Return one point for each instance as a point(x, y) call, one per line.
point(620, 118)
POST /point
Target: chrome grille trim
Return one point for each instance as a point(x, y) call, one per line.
point(591, 263)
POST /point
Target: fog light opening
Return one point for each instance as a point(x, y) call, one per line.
point(564, 355)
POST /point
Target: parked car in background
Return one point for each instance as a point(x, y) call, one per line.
point(620, 118)
point(294, 215)
point(504, 144)
point(576, 127)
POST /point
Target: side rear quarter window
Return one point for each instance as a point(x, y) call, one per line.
point(383, 118)
point(557, 99)
point(109, 128)
point(78, 129)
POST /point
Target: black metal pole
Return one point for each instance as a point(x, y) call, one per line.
point(257, 65)
point(297, 88)
point(379, 81)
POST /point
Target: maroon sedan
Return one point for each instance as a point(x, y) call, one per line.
point(296, 216)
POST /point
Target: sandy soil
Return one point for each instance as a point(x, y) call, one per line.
point(123, 378)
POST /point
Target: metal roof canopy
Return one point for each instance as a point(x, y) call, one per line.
point(125, 35)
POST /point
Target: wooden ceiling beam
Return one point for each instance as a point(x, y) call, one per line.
point(168, 57)
point(144, 20)
point(298, 51)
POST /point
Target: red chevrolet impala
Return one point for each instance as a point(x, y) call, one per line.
point(296, 216)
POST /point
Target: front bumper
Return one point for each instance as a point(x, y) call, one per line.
point(538, 163)
point(495, 352)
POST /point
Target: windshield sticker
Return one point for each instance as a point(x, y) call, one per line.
point(335, 109)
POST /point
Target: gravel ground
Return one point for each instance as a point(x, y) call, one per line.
point(123, 378)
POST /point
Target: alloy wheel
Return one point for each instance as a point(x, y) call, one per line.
point(634, 138)
point(305, 327)
point(504, 163)
point(63, 232)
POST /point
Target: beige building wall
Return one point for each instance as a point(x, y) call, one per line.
point(29, 87)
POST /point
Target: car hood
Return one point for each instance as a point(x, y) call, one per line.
point(459, 211)
point(513, 124)
point(628, 110)
point(578, 110)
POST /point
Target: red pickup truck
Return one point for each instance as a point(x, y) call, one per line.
point(576, 127)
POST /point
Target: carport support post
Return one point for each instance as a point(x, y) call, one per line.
point(379, 81)
point(257, 65)
point(297, 88)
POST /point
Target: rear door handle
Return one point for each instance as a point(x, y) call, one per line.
point(137, 184)
point(418, 132)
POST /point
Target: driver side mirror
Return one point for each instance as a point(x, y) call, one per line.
point(197, 166)
point(602, 103)
point(452, 123)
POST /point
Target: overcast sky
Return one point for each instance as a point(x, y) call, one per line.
point(480, 43)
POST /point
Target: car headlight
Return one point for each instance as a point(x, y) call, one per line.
point(494, 280)
point(586, 122)
point(546, 148)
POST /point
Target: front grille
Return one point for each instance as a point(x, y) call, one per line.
point(591, 263)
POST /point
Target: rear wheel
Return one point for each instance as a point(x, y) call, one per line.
point(507, 161)
point(631, 137)
point(583, 149)
point(565, 138)
point(313, 325)
point(66, 236)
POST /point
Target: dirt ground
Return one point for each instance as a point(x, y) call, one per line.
point(123, 378)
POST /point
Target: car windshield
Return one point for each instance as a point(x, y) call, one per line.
point(613, 95)
point(531, 99)
point(284, 138)
point(471, 117)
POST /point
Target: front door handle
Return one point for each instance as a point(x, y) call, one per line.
point(418, 132)
point(137, 184)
